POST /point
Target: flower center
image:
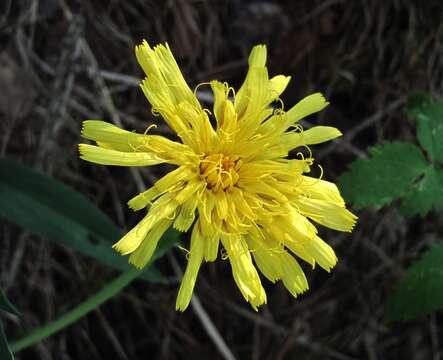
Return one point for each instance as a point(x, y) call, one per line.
point(220, 171)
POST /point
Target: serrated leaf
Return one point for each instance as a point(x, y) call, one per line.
point(430, 128)
point(425, 195)
point(46, 206)
point(421, 290)
point(387, 175)
point(6, 305)
point(5, 351)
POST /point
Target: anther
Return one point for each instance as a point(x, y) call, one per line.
point(220, 171)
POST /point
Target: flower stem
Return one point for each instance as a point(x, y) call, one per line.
point(81, 310)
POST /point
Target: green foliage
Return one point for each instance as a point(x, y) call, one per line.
point(46, 206)
point(387, 175)
point(399, 170)
point(426, 195)
point(429, 117)
point(421, 290)
point(417, 101)
point(5, 305)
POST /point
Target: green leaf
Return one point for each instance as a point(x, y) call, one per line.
point(421, 290)
point(429, 117)
point(417, 100)
point(385, 177)
point(6, 305)
point(5, 351)
point(46, 206)
point(427, 194)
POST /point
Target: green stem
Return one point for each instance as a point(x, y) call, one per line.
point(81, 310)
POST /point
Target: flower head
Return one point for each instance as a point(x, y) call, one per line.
point(235, 183)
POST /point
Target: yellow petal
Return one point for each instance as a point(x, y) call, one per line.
point(307, 106)
point(261, 187)
point(257, 57)
point(321, 190)
point(257, 61)
point(197, 121)
point(262, 168)
point(297, 246)
point(162, 208)
point(327, 213)
point(190, 276)
point(112, 136)
point(211, 246)
point(220, 97)
point(293, 277)
point(115, 146)
point(132, 240)
point(241, 204)
point(293, 234)
point(300, 237)
point(190, 189)
point(221, 204)
point(267, 259)
point(257, 98)
point(169, 85)
point(320, 134)
point(228, 124)
point(186, 216)
point(244, 272)
point(323, 254)
point(166, 89)
point(141, 256)
point(172, 181)
point(143, 199)
point(174, 152)
point(278, 84)
point(205, 207)
point(103, 156)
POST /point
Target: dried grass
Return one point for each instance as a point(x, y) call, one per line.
point(64, 61)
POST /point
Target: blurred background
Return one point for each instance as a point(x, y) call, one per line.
point(64, 61)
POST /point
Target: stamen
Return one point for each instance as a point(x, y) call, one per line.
point(321, 172)
point(152, 126)
point(282, 109)
point(198, 85)
point(230, 89)
point(185, 250)
point(207, 111)
point(220, 171)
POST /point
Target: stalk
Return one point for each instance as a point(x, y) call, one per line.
point(110, 290)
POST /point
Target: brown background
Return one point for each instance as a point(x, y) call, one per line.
point(65, 61)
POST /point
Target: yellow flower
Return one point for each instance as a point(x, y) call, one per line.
point(235, 182)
